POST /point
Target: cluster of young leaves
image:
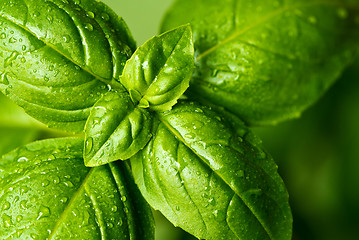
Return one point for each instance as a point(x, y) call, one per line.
point(73, 65)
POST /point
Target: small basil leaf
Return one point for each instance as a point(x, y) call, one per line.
point(211, 177)
point(158, 72)
point(116, 129)
point(47, 193)
point(57, 57)
point(267, 61)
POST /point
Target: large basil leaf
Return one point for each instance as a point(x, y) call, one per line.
point(158, 73)
point(116, 129)
point(57, 57)
point(210, 176)
point(47, 193)
point(265, 60)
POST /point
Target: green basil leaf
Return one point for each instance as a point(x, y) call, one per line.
point(47, 193)
point(267, 61)
point(158, 72)
point(211, 177)
point(116, 129)
point(57, 57)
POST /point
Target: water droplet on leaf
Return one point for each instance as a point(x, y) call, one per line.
point(105, 16)
point(8, 61)
point(12, 40)
point(19, 218)
point(88, 145)
point(6, 205)
point(43, 212)
point(34, 236)
point(89, 27)
point(3, 79)
point(114, 209)
point(90, 14)
point(7, 221)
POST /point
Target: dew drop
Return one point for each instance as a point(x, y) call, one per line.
point(189, 135)
point(50, 19)
point(215, 213)
point(64, 200)
point(24, 190)
point(19, 218)
point(12, 40)
point(45, 183)
point(43, 212)
point(56, 180)
point(37, 162)
point(66, 38)
point(23, 47)
point(88, 145)
point(19, 233)
point(22, 59)
point(109, 225)
point(123, 198)
point(6, 205)
point(10, 59)
point(69, 184)
point(105, 16)
point(2, 35)
point(24, 205)
point(197, 124)
point(36, 14)
point(7, 221)
point(90, 14)
point(114, 209)
point(34, 236)
point(3, 79)
point(120, 222)
point(89, 27)
point(177, 208)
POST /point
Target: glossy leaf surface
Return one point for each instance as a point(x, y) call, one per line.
point(47, 193)
point(211, 177)
point(116, 129)
point(57, 57)
point(158, 73)
point(267, 61)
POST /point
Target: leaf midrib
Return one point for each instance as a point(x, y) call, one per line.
point(273, 14)
point(68, 207)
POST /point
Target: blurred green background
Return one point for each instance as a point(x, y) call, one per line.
point(317, 154)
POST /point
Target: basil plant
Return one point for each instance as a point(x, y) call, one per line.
point(165, 125)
